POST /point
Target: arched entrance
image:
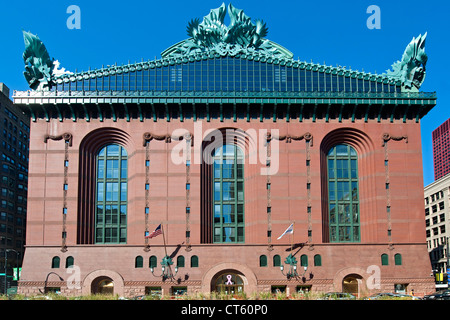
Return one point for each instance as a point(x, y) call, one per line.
point(103, 285)
point(212, 277)
point(99, 281)
point(350, 284)
point(229, 282)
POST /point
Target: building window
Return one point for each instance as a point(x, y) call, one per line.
point(228, 194)
point(152, 262)
point(69, 262)
point(180, 262)
point(276, 261)
point(194, 262)
point(111, 197)
point(384, 259)
point(304, 260)
point(55, 262)
point(139, 262)
point(263, 261)
point(317, 260)
point(343, 198)
point(398, 259)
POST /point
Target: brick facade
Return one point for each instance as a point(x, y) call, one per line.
point(294, 187)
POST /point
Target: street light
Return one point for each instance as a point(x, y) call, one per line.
point(6, 264)
point(166, 269)
point(46, 280)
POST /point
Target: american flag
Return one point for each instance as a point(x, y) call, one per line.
point(155, 233)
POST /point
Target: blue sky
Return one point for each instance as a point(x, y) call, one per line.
point(334, 32)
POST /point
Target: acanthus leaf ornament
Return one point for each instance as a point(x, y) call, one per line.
point(40, 69)
point(242, 35)
point(411, 69)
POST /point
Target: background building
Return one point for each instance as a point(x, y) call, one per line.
point(441, 150)
point(14, 182)
point(437, 215)
point(225, 142)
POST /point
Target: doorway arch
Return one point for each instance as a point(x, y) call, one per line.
point(228, 281)
point(351, 284)
point(210, 278)
point(103, 280)
point(102, 285)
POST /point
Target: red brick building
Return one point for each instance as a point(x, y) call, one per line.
point(441, 150)
point(225, 147)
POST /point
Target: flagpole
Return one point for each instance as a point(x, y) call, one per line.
point(164, 239)
point(165, 250)
point(292, 236)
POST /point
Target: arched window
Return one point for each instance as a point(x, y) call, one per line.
point(180, 261)
point(304, 260)
point(111, 195)
point(194, 262)
point(263, 260)
point(343, 196)
point(55, 262)
point(139, 262)
point(152, 262)
point(398, 259)
point(228, 194)
point(384, 259)
point(69, 262)
point(317, 260)
point(276, 261)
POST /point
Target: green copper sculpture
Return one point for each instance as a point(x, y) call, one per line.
point(40, 69)
point(38, 65)
point(240, 36)
point(411, 70)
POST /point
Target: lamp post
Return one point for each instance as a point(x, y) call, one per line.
point(46, 280)
point(166, 270)
point(17, 263)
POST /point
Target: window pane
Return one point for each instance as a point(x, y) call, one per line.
point(123, 191)
point(101, 168)
point(100, 191)
point(217, 213)
point(123, 166)
point(112, 150)
point(112, 169)
point(217, 191)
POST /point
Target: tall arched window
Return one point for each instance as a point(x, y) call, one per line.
point(228, 194)
point(343, 197)
point(111, 195)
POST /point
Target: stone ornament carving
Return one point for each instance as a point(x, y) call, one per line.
point(386, 137)
point(67, 137)
point(147, 136)
point(307, 136)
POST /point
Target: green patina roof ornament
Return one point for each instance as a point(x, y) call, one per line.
point(411, 69)
point(40, 69)
point(241, 36)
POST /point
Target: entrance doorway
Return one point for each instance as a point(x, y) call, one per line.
point(229, 283)
point(350, 284)
point(103, 285)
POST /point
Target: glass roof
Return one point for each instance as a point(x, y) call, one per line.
point(226, 74)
